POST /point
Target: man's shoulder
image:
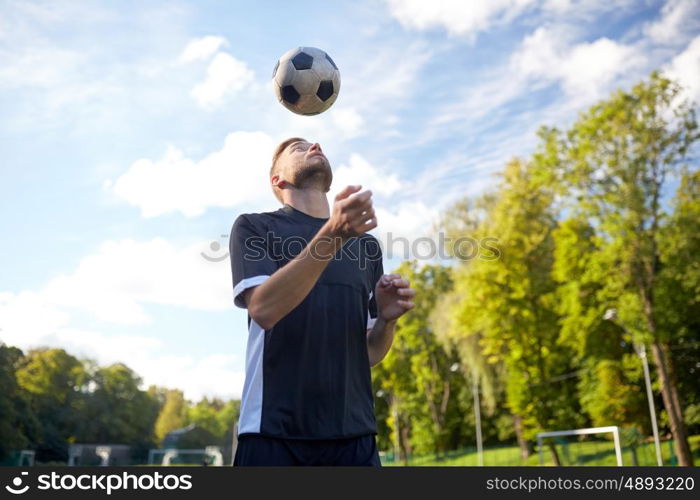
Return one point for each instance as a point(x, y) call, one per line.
point(256, 218)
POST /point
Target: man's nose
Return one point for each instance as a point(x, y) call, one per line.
point(315, 147)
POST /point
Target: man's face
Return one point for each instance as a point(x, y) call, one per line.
point(304, 164)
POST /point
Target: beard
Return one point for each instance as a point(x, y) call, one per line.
point(316, 172)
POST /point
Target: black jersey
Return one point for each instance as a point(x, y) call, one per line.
point(307, 377)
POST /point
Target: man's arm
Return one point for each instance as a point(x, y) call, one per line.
point(288, 286)
point(394, 298)
point(379, 340)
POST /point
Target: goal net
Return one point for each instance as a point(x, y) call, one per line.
point(590, 446)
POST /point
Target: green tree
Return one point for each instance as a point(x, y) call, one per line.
point(55, 383)
point(18, 425)
point(508, 304)
point(679, 291)
point(421, 392)
point(611, 383)
point(118, 411)
point(216, 416)
point(613, 165)
point(465, 227)
point(173, 414)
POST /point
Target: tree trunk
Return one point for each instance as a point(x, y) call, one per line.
point(664, 365)
point(635, 458)
point(405, 444)
point(669, 392)
point(555, 455)
point(525, 447)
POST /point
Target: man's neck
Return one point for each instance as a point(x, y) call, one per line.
point(310, 201)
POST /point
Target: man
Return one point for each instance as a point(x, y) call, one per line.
point(320, 313)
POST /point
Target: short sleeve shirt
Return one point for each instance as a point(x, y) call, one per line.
point(307, 377)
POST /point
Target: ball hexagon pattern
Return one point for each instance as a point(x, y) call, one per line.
point(306, 80)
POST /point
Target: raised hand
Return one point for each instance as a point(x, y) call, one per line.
point(352, 215)
point(394, 296)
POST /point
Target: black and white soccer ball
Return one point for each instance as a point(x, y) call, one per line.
point(306, 81)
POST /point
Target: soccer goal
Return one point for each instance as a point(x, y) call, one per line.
point(591, 446)
point(211, 455)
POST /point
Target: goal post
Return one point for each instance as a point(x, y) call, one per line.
point(579, 432)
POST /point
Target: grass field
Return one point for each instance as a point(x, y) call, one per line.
point(584, 453)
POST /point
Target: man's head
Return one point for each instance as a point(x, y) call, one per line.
point(299, 164)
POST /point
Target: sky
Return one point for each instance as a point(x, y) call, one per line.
point(132, 134)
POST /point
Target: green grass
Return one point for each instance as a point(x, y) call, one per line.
point(584, 453)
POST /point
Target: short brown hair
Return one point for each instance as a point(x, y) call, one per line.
point(275, 156)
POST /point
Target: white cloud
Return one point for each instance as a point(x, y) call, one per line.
point(456, 16)
point(583, 9)
point(28, 316)
point(374, 86)
point(202, 48)
point(225, 75)
point(237, 174)
point(212, 375)
point(400, 226)
point(685, 68)
point(585, 70)
point(679, 18)
point(348, 121)
point(124, 275)
point(468, 18)
point(115, 283)
point(360, 171)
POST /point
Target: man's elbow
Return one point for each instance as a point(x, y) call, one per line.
point(375, 360)
point(260, 317)
point(258, 313)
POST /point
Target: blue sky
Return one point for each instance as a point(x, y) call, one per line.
point(132, 134)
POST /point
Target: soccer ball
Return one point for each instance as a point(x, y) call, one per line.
point(306, 81)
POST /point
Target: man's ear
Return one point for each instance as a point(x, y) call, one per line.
point(277, 182)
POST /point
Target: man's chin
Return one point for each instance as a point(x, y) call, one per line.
point(312, 172)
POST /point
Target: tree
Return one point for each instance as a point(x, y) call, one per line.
point(611, 383)
point(612, 166)
point(18, 425)
point(423, 409)
point(508, 304)
point(679, 291)
point(465, 225)
point(55, 383)
point(116, 410)
point(173, 414)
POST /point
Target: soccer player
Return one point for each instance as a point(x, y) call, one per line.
point(320, 314)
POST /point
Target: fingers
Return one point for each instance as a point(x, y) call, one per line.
point(400, 283)
point(359, 199)
point(395, 280)
point(360, 211)
point(361, 202)
point(353, 213)
point(347, 191)
point(406, 304)
point(369, 225)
